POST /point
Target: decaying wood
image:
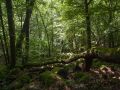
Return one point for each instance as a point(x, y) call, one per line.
point(87, 56)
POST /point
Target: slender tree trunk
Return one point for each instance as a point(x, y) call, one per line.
point(3, 48)
point(88, 61)
point(46, 32)
point(52, 38)
point(27, 35)
point(88, 24)
point(38, 27)
point(52, 30)
point(25, 25)
point(11, 27)
point(39, 31)
point(4, 37)
point(110, 34)
point(21, 19)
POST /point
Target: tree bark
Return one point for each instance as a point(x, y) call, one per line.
point(4, 37)
point(11, 26)
point(25, 26)
point(3, 48)
point(110, 34)
point(28, 14)
point(88, 24)
point(88, 61)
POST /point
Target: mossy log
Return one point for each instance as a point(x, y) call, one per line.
point(87, 56)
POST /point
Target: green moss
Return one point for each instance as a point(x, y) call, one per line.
point(25, 78)
point(21, 80)
point(3, 72)
point(14, 71)
point(97, 63)
point(69, 66)
point(109, 51)
point(81, 77)
point(55, 70)
point(47, 78)
point(15, 85)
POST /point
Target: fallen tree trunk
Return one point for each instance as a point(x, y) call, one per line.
point(110, 58)
point(87, 56)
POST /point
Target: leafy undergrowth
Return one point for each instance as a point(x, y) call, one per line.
point(99, 78)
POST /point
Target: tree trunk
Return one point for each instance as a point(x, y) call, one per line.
point(88, 61)
point(11, 26)
point(48, 38)
point(28, 14)
point(110, 34)
point(3, 48)
point(88, 24)
point(4, 37)
point(25, 26)
point(86, 55)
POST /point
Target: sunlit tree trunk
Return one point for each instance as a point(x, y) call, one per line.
point(47, 36)
point(38, 27)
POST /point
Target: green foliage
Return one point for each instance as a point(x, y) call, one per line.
point(69, 67)
point(3, 72)
point(72, 8)
point(14, 85)
point(14, 71)
point(81, 77)
point(55, 70)
point(47, 78)
point(25, 78)
point(16, 79)
point(98, 63)
point(115, 52)
point(20, 82)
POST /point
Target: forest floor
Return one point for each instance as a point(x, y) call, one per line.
point(102, 77)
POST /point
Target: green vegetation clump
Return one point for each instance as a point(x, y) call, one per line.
point(25, 78)
point(47, 78)
point(3, 72)
point(109, 51)
point(14, 71)
point(81, 77)
point(69, 67)
point(97, 63)
point(22, 80)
